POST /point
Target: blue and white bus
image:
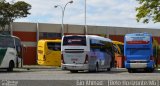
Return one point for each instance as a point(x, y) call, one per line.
point(138, 52)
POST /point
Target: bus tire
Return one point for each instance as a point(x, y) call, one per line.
point(11, 66)
point(130, 70)
point(150, 70)
point(109, 69)
point(97, 68)
point(74, 71)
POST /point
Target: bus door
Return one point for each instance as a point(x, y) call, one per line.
point(53, 53)
point(104, 56)
point(18, 47)
point(109, 55)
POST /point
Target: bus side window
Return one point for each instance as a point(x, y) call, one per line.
point(54, 46)
point(91, 46)
point(94, 46)
point(102, 48)
point(57, 47)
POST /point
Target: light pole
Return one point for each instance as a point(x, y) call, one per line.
point(63, 9)
point(85, 18)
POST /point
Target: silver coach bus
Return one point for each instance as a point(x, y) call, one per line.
point(86, 52)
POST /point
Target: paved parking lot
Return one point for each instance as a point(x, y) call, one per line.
point(48, 76)
point(58, 74)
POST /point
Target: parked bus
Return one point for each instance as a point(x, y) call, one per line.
point(138, 51)
point(86, 52)
point(10, 52)
point(119, 54)
point(49, 52)
point(155, 51)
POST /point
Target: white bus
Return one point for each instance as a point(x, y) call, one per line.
point(10, 52)
point(86, 52)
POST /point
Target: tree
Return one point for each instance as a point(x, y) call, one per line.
point(11, 11)
point(149, 10)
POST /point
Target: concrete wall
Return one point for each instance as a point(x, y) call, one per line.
point(79, 29)
point(29, 33)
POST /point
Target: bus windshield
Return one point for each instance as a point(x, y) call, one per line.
point(74, 41)
point(6, 41)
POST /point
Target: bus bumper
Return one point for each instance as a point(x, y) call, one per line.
point(40, 62)
point(75, 67)
point(150, 64)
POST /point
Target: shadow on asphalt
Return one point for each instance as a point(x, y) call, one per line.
point(156, 71)
point(101, 72)
point(15, 71)
point(112, 72)
point(22, 70)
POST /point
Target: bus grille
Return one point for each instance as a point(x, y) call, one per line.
point(74, 50)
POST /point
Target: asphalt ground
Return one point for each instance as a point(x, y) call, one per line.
point(54, 76)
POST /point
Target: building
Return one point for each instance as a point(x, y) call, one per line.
point(30, 33)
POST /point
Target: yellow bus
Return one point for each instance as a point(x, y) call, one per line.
point(119, 50)
point(49, 52)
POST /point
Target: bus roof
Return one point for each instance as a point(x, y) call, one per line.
point(117, 42)
point(138, 34)
point(94, 37)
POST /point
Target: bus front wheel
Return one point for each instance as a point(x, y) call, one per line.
point(97, 68)
point(130, 70)
point(150, 70)
point(109, 69)
point(11, 66)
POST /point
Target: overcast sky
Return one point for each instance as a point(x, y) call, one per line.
point(120, 13)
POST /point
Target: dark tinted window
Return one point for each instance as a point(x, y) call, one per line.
point(18, 42)
point(100, 45)
point(6, 41)
point(54, 46)
point(49, 35)
point(18, 45)
point(75, 40)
